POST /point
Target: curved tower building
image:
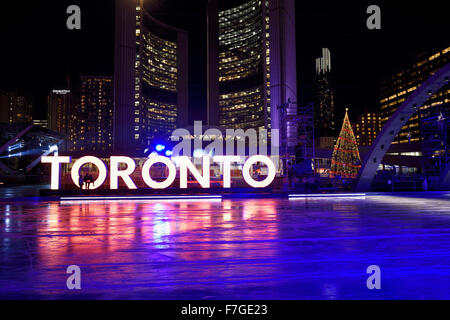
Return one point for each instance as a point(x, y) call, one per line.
point(251, 64)
point(151, 78)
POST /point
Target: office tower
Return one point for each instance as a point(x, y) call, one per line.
point(58, 114)
point(324, 109)
point(397, 88)
point(151, 78)
point(367, 128)
point(58, 110)
point(4, 108)
point(424, 136)
point(43, 123)
point(252, 64)
point(91, 123)
point(15, 109)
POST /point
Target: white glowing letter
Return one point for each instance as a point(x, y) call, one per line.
point(97, 162)
point(270, 171)
point(54, 174)
point(186, 164)
point(146, 172)
point(227, 160)
point(115, 173)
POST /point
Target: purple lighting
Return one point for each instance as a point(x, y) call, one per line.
point(154, 248)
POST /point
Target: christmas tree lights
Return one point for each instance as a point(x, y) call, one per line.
point(345, 162)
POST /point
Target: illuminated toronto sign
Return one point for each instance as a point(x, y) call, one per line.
point(184, 164)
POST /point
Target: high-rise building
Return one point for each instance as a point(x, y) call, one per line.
point(251, 64)
point(15, 109)
point(324, 109)
point(59, 104)
point(151, 78)
point(58, 110)
point(425, 134)
point(4, 108)
point(91, 123)
point(367, 128)
point(43, 123)
point(396, 89)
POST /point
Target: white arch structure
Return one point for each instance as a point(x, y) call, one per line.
point(395, 123)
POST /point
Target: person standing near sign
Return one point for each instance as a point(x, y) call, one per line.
point(87, 180)
point(80, 182)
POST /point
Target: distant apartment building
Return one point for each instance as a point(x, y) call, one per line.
point(367, 128)
point(398, 87)
point(59, 104)
point(92, 119)
point(43, 123)
point(425, 136)
point(58, 110)
point(15, 109)
point(4, 108)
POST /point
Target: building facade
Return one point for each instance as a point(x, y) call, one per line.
point(324, 105)
point(151, 78)
point(92, 119)
point(397, 88)
point(58, 110)
point(424, 136)
point(43, 123)
point(367, 128)
point(4, 108)
point(15, 109)
point(252, 64)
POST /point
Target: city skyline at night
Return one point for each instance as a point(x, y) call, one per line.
point(360, 56)
point(251, 75)
point(236, 152)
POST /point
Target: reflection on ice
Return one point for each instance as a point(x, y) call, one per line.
point(229, 249)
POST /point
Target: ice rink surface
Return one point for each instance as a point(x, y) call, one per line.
point(228, 249)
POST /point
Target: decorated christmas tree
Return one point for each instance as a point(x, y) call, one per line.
point(345, 162)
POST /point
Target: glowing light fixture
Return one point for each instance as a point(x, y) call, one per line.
point(160, 147)
point(328, 195)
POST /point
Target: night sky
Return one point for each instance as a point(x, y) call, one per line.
point(39, 52)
